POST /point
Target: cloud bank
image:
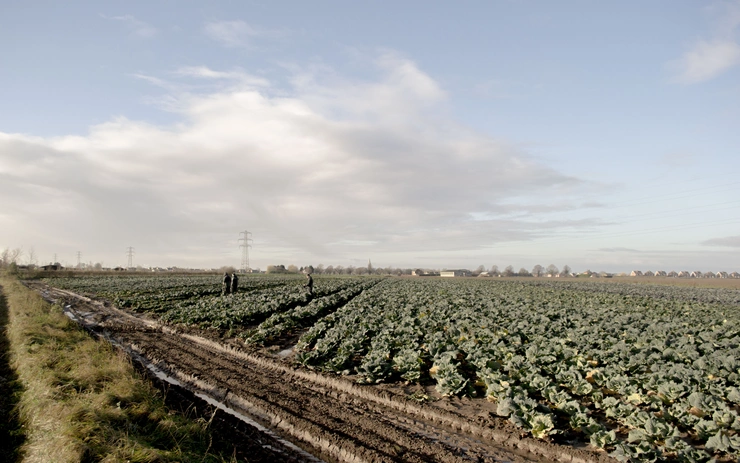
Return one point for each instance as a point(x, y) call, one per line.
point(327, 170)
point(728, 241)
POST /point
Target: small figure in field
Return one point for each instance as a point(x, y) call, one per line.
point(226, 284)
point(309, 284)
point(234, 283)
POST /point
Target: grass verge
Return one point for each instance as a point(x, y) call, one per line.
point(11, 430)
point(83, 401)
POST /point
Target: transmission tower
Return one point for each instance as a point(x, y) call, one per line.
point(244, 241)
point(79, 254)
point(130, 254)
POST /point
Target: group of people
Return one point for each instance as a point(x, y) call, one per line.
point(230, 283)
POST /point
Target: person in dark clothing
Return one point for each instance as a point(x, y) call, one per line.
point(309, 284)
point(226, 284)
point(234, 283)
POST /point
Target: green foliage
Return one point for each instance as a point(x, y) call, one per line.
point(645, 372)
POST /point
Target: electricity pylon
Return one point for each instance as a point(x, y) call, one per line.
point(244, 241)
point(130, 253)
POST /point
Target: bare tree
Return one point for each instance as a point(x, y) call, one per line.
point(494, 270)
point(552, 270)
point(538, 270)
point(32, 260)
point(565, 272)
point(509, 271)
point(523, 272)
point(479, 270)
point(5, 258)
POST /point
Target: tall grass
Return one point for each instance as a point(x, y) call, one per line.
point(84, 401)
point(11, 431)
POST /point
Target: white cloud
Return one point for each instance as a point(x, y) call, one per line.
point(728, 241)
point(203, 72)
point(237, 34)
point(706, 60)
point(136, 26)
point(316, 172)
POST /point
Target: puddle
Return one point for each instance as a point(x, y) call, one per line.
point(80, 319)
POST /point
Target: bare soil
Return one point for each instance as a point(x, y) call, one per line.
point(288, 413)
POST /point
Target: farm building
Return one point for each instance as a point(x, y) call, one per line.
point(734, 275)
point(56, 266)
point(455, 273)
point(672, 274)
point(425, 273)
point(722, 275)
point(660, 273)
point(695, 274)
point(636, 273)
point(684, 274)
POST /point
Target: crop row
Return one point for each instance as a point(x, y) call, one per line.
point(645, 377)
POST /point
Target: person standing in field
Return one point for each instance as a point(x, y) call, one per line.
point(234, 283)
point(226, 284)
point(309, 284)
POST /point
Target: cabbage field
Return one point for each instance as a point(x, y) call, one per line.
point(645, 372)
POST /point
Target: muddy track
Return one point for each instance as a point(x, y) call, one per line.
point(326, 417)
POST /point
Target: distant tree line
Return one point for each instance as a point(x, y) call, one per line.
point(339, 270)
point(538, 270)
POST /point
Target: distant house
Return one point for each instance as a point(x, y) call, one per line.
point(709, 275)
point(636, 273)
point(722, 275)
point(672, 274)
point(455, 273)
point(56, 266)
point(734, 275)
point(660, 273)
point(648, 274)
point(423, 273)
point(684, 274)
point(695, 274)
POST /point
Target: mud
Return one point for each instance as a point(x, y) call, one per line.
point(285, 413)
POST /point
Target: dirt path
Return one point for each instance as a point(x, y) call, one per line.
point(304, 416)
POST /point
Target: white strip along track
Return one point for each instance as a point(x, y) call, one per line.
point(201, 389)
point(243, 408)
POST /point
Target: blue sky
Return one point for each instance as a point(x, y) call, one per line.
point(599, 135)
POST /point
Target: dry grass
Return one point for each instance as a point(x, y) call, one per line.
point(83, 401)
point(11, 432)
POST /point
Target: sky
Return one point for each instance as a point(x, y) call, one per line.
point(416, 134)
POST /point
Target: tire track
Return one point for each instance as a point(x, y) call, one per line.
point(331, 417)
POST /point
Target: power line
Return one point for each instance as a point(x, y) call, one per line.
point(683, 194)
